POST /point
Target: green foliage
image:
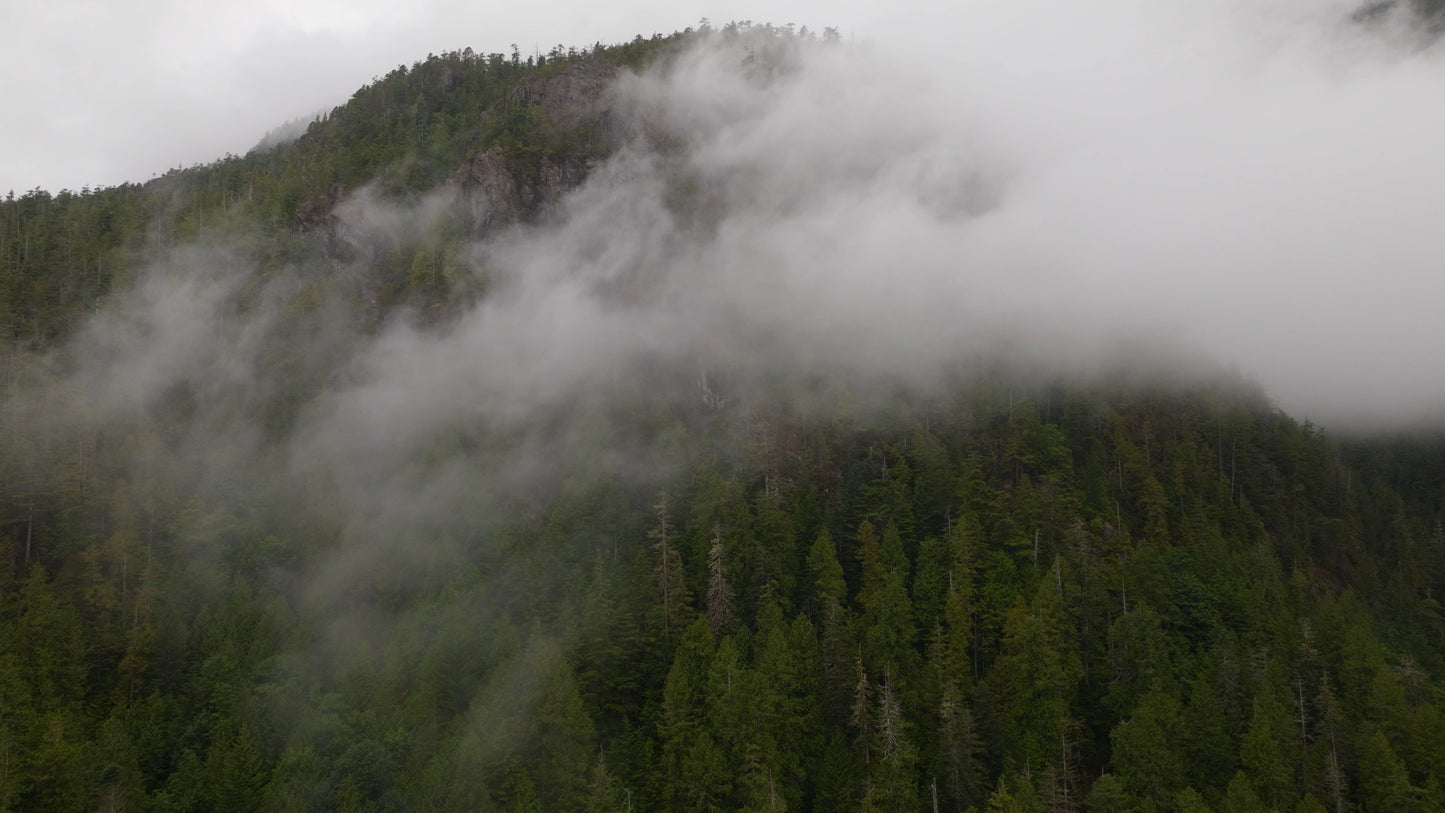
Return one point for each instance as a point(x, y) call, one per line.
point(1004, 595)
point(948, 665)
point(1145, 755)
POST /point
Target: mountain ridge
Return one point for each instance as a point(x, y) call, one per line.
point(359, 475)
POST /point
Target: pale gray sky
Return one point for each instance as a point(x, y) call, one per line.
point(100, 93)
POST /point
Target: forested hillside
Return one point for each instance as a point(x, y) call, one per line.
point(297, 514)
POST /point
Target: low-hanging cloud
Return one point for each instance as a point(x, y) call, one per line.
point(1258, 187)
point(1049, 184)
point(1066, 187)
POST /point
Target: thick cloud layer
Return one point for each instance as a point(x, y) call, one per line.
point(1256, 188)
point(1064, 187)
point(1257, 184)
point(1067, 189)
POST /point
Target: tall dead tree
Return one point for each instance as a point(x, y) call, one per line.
point(669, 570)
point(719, 592)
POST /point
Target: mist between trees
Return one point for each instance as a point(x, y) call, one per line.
point(745, 420)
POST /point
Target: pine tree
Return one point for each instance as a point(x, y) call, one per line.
point(1382, 780)
point(833, 620)
point(1265, 750)
point(1144, 753)
point(958, 750)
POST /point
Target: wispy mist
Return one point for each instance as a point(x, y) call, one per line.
point(1065, 188)
point(1256, 187)
point(1071, 190)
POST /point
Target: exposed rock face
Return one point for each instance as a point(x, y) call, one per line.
point(576, 97)
point(493, 193)
point(487, 193)
point(496, 189)
point(319, 215)
point(316, 212)
point(496, 192)
point(554, 176)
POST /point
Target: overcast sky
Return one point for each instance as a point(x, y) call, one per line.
point(101, 93)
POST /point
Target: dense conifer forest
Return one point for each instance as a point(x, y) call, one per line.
point(696, 585)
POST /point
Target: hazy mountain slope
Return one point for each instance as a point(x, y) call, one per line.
point(510, 441)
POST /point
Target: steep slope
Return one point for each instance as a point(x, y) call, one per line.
point(507, 136)
point(329, 481)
